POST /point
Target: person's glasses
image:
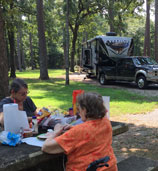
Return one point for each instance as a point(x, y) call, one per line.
point(24, 93)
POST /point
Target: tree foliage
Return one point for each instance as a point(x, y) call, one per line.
point(87, 19)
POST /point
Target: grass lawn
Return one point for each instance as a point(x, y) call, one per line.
point(54, 94)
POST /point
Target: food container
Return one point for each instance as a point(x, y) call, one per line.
point(27, 133)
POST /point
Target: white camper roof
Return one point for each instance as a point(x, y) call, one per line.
point(116, 46)
point(110, 38)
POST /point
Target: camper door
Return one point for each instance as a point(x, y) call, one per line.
point(87, 58)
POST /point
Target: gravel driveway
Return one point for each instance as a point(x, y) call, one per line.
point(142, 137)
point(152, 90)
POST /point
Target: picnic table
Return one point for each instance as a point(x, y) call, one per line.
point(26, 157)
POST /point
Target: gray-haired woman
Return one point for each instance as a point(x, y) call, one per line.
point(86, 142)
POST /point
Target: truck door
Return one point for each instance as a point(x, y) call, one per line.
point(125, 69)
point(108, 66)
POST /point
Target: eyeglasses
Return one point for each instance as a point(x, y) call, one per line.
point(24, 93)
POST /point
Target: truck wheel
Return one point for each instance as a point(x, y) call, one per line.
point(141, 82)
point(102, 79)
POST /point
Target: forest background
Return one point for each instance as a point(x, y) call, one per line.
point(49, 33)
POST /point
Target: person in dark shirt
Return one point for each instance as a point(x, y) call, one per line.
point(18, 94)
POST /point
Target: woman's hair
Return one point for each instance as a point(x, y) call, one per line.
point(93, 103)
point(17, 84)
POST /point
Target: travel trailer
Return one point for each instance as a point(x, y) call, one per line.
point(109, 57)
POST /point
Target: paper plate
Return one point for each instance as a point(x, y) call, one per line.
point(42, 136)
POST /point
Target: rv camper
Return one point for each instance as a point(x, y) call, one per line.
point(110, 58)
point(100, 50)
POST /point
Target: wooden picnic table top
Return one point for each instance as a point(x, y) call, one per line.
point(25, 156)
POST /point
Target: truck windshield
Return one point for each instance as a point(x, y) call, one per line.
point(144, 61)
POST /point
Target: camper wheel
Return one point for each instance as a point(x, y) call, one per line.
point(102, 79)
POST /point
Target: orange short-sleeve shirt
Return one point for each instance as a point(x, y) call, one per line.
point(86, 143)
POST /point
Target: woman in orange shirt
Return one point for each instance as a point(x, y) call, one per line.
point(86, 142)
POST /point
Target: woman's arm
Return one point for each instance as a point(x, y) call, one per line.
point(35, 112)
point(51, 146)
point(1, 118)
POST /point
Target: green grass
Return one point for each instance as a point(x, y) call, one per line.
point(36, 73)
point(54, 93)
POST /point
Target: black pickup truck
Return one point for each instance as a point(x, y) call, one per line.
point(138, 69)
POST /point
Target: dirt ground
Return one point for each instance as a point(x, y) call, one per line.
point(142, 137)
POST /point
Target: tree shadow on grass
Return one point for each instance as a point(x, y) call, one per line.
point(55, 88)
point(138, 140)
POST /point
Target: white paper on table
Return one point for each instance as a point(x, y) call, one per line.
point(33, 141)
point(106, 100)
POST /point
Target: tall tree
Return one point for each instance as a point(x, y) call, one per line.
point(116, 13)
point(31, 48)
point(111, 15)
point(3, 60)
point(79, 11)
point(42, 41)
point(147, 30)
point(67, 43)
point(18, 49)
point(156, 30)
point(11, 38)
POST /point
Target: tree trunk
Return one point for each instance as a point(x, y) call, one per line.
point(3, 61)
point(18, 50)
point(111, 15)
point(73, 48)
point(67, 43)
point(22, 56)
point(42, 42)
point(31, 48)
point(12, 54)
point(31, 51)
point(147, 31)
point(156, 30)
point(22, 51)
point(12, 47)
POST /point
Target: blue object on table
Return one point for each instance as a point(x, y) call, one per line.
point(9, 138)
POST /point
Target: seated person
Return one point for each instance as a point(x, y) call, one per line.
point(18, 94)
point(86, 142)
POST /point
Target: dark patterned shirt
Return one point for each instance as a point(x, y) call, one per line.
point(28, 105)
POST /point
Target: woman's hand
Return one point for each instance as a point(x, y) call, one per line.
point(67, 127)
point(58, 129)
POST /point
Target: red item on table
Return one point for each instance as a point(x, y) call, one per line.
point(75, 93)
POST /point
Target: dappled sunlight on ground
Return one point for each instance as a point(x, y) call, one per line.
point(140, 140)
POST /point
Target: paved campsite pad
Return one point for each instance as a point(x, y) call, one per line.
point(118, 128)
point(142, 137)
point(150, 91)
point(135, 163)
